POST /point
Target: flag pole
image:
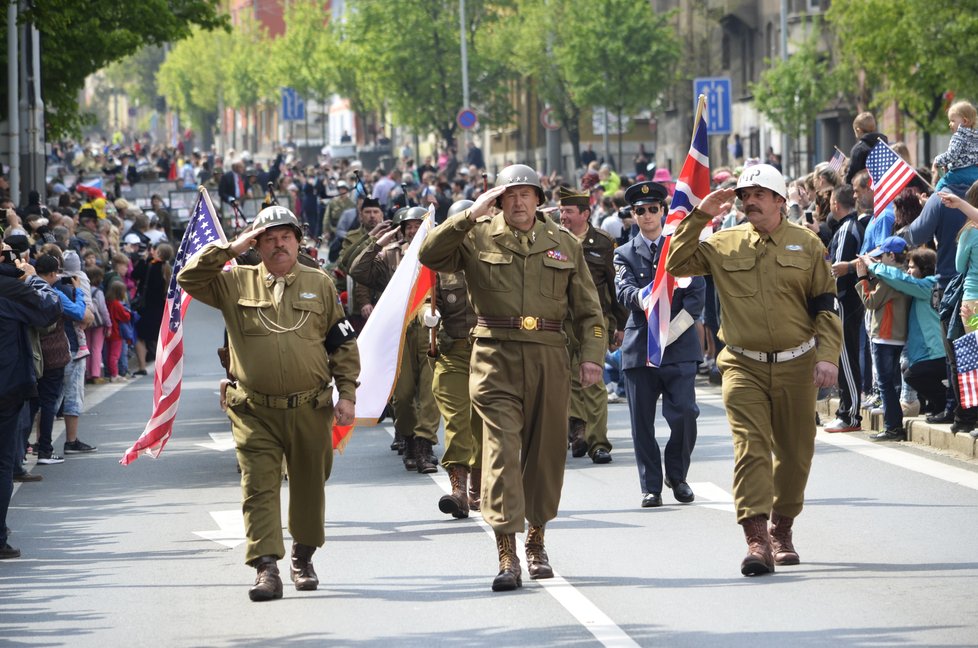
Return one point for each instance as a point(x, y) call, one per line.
point(700, 105)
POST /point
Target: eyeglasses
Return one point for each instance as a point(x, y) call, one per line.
point(642, 209)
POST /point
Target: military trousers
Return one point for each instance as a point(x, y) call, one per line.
point(771, 411)
point(262, 437)
point(521, 392)
point(414, 404)
point(591, 406)
point(463, 427)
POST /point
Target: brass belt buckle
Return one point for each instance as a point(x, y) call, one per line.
point(529, 323)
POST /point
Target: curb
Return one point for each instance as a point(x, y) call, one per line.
point(935, 435)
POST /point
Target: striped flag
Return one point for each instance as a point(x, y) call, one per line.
point(691, 187)
point(838, 159)
point(966, 355)
point(204, 227)
point(381, 341)
point(889, 174)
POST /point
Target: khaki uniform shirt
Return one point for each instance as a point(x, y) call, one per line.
point(599, 254)
point(275, 351)
point(334, 209)
point(375, 266)
point(766, 284)
point(550, 280)
point(457, 316)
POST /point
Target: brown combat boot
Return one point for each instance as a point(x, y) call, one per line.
point(425, 457)
point(509, 576)
point(537, 563)
point(303, 574)
point(781, 545)
point(760, 559)
point(268, 583)
point(456, 504)
point(575, 435)
point(475, 489)
point(410, 454)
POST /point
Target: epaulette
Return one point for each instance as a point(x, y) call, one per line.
point(611, 239)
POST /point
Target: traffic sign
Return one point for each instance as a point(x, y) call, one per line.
point(293, 106)
point(466, 119)
point(548, 119)
point(717, 91)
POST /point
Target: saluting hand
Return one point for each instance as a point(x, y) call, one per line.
point(388, 237)
point(718, 202)
point(245, 240)
point(485, 202)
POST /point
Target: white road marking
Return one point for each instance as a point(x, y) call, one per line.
point(221, 441)
point(709, 495)
point(230, 532)
point(906, 460)
point(579, 606)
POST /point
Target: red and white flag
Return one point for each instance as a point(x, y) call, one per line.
point(381, 342)
point(204, 227)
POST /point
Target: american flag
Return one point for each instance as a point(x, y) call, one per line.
point(838, 159)
point(203, 228)
point(966, 355)
point(691, 187)
point(889, 173)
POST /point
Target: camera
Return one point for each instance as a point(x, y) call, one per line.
point(67, 281)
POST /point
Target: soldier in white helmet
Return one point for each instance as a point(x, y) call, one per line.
point(783, 337)
point(290, 346)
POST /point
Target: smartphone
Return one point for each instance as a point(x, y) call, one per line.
point(8, 256)
point(67, 281)
point(809, 217)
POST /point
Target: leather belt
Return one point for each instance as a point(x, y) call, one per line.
point(280, 402)
point(525, 323)
point(775, 356)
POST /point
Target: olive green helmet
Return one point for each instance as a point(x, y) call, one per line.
point(396, 218)
point(276, 216)
point(519, 174)
point(459, 206)
point(410, 214)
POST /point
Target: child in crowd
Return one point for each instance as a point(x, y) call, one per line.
point(888, 331)
point(960, 161)
point(95, 334)
point(115, 298)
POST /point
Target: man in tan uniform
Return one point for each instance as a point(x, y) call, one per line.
point(589, 407)
point(783, 337)
point(416, 414)
point(360, 298)
point(524, 275)
point(337, 205)
point(463, 427)
point(290, 347)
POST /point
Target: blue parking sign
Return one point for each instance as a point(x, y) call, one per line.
point(293, 106)
point(717, 91)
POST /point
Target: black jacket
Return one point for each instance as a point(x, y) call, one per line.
point(857, 157)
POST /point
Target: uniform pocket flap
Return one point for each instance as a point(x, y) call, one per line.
point(557, 263)
point(733, 264)
point(251, 302)
point(800, 261)
point(495, 258)
point(311, 305)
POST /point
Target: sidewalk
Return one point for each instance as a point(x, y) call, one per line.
point(938, 436)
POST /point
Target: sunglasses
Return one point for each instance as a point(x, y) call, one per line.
point(642, 209)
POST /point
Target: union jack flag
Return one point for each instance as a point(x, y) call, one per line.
point(889, 173)
point(691, 187)
point(203, 228)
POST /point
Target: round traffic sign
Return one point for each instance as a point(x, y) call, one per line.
point(548, 119)
point(466, 119)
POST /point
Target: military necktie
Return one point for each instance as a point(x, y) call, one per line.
point(524, 242)
point(278, 290)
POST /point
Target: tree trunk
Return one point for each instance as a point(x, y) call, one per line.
point(615, 166)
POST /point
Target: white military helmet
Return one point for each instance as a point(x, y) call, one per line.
point(276, 216)
point(763, 175)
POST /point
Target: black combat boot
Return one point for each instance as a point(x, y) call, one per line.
point(425, 458)
point(537, 563)
point(303, 574)
point(457, 503)
point(510, 575)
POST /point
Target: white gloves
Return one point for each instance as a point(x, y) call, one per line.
point(430, 319)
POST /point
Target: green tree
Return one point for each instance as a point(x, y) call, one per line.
point(80, 38)
point(136, 74)
point(619, 54)
point(247, 80)
point(910, 52)
point(192, 80)
point(791, 93)
point(405, 59)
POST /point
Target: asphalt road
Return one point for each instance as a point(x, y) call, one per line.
point(152, 554)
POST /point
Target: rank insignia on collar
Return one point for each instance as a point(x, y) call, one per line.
point(557, 255)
